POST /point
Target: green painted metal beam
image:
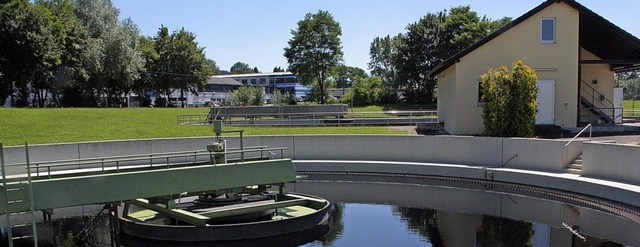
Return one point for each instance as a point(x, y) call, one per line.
point(125, 186)
point(186, 216)
point(251, 208)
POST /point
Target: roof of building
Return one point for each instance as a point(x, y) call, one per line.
point(224, 81)
point(254, 75)
point(604, 39)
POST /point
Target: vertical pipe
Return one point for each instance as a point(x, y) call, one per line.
point(31, 198)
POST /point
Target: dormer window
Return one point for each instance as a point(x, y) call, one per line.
point(548, 30)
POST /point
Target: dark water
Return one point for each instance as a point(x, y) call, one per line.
point(376, 214)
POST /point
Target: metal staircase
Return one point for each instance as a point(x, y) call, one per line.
point(19, 204)
point(599, 110)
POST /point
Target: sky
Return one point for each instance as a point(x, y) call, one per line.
point(256, 32)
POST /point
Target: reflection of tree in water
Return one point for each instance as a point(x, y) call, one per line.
point(336, 224)
point(500, 232)
point(422, 221)
point(79, 231)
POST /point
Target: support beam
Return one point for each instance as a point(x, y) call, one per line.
point(191, 218)
point(251, 208)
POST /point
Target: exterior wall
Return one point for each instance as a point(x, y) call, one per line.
point(611, 161)
point(446, 98)
point(557, 62)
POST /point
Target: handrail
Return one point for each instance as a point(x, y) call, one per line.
point(117, 162)
point(580, 133)
point(133, 156)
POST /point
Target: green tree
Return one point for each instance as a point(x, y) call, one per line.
point(68, 77)
point(189, 63)
point(215, 69)
point(247, 96)
point(278, 69)
point(112, 60)
point(241, 68)
point(345, 75)
point(365, 91)
point(146, 81)
point(433, 39)
point(381, 52)
point(163, 65)
point(314, 50)
point(509, 101)
point(31, 45)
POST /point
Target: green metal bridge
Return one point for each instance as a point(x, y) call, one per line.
point(158, 178)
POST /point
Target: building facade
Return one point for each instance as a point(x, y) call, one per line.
point(574, 51)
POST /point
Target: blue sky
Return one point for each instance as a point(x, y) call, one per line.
point(256, 32)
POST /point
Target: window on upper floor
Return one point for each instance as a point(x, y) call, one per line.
point(548, 30)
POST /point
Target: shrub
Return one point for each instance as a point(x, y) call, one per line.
point(509, 101)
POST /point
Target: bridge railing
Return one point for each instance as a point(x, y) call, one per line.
point(54, 168)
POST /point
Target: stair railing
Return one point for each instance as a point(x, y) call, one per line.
point(599, 103)
point(580, 133)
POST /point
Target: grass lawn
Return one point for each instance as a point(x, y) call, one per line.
point(59, 125)
point(629, 105)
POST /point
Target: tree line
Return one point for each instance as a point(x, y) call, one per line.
point(79, 54)
point(399, 65)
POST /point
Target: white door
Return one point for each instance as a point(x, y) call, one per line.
point(546, 102)
point(617, 104)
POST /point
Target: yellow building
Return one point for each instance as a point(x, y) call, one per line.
point(575, 53)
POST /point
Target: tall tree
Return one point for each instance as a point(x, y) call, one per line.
point(241, 68)
point(190, 63)
point(314, 49)
point(163, 65)
point(146, 81)
point(433, 39)
point(113, 61)
point(68, 76)
point(278, 69)
point(31, 44)
point(381, 52)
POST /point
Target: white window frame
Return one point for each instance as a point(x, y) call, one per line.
point(554, 30)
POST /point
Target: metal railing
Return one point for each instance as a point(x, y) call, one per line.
point(598, 105)
point(314, 119)
point(99, 165)
point(580, 133)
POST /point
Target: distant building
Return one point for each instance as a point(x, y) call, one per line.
point(220, 87)
point(285, 82)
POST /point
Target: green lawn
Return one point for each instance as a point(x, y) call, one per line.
point(629, 105)
point(61, 125)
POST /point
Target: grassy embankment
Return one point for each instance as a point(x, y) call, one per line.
point(60, 125)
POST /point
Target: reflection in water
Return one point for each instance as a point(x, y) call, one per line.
point(423, 222)
point(499, 232)
point(450, 216)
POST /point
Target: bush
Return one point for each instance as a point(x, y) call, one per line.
point(247, 96)
point(509, 101)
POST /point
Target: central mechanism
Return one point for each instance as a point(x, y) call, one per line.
point(232, 196)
